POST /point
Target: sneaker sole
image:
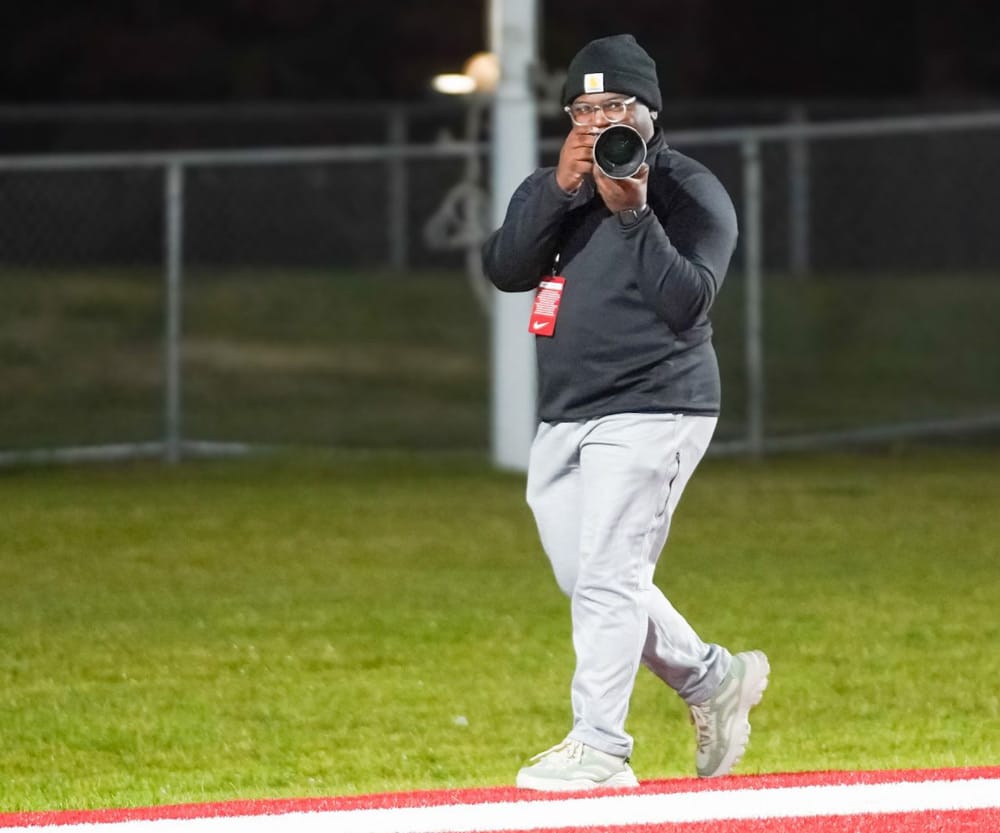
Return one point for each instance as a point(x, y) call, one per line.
point(618, 780)
point(751, 693)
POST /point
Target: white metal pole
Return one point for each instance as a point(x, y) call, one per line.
point(514, 155)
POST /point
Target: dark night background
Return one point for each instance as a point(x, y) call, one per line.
point(311, 50)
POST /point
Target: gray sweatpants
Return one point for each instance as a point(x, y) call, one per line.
point(603, 492)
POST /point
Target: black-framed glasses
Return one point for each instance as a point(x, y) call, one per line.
point(583, 114)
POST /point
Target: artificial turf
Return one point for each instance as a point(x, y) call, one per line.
point(337, 623)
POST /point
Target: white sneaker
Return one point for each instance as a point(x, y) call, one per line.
point(572, 765)
point(722, 722)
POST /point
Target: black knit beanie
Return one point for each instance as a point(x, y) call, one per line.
point(615, 64)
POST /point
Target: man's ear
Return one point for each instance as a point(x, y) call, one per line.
point(653, 114)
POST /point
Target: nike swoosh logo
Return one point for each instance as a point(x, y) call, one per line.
point(539, 324)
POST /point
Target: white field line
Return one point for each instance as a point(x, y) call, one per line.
point(779, 802)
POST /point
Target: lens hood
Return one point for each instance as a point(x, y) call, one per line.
point(619, 151)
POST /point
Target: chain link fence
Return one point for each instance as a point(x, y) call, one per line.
point(186, 302)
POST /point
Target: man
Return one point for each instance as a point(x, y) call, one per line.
point(625, 271)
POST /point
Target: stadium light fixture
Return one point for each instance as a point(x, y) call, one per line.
point(480, 75)
point(454, 83)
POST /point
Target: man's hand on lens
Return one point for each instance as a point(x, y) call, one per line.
point(576, 158)
point(619, 194)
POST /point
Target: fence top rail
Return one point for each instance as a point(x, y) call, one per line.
point(449, 149)
point(259, 156)
point(847, 128)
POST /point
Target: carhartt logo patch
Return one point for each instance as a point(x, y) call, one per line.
point(593, 82)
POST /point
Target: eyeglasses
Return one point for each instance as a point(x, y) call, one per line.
point(583, 115)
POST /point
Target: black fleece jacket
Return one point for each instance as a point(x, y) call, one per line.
point(633, 333)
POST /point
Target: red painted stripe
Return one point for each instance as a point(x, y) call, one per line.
point(434, 798)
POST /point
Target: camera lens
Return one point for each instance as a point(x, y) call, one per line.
point(619, 151)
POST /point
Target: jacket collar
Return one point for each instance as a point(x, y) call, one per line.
point(656, 142)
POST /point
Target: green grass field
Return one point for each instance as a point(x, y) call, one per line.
point(345, 623)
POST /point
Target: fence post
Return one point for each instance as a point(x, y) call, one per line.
point(753, 308)
point(173, 255)
point(398, 191)
point(798, 198)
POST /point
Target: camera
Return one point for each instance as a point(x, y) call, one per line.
point(619, 151)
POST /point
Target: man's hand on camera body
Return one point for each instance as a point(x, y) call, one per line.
point(620, 194)
point(576, 159)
